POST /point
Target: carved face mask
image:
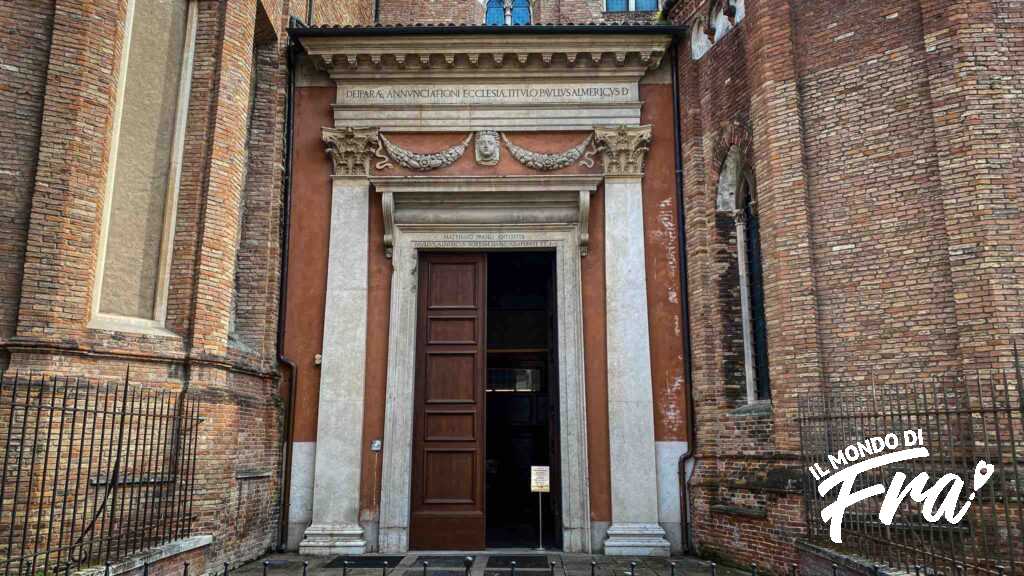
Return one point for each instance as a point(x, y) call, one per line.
point(487, 149)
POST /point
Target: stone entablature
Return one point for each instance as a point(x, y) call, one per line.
point(470, 82)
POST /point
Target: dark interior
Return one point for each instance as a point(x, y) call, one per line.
point(522, 407)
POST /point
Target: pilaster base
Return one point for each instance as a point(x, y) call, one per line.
point(636, 539)
point(331, 540)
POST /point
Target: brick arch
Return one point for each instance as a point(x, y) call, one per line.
point(733, 137)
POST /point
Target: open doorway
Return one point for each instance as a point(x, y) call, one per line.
point(521, 399)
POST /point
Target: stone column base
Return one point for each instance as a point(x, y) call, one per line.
point(330, 540)
point(636, 539)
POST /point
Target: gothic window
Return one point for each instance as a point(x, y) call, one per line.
point(133, 266)
point(507, 12)
point(756, 342)
point(737, 193)
point(631, 5)
point(723, 17)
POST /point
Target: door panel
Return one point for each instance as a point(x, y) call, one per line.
point(448, 450)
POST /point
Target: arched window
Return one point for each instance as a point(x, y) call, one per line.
point(503, 12)
point(737, 194)
point(630, 5)
point(755, 328)
point(495, 15)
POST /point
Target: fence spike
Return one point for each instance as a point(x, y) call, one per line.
point(184, 570)
point(593, 568)
point(425, 565)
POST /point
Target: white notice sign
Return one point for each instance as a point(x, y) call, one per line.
point(540, 479)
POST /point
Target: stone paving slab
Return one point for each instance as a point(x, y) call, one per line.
point(484, 564)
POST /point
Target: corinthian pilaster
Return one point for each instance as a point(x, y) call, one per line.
point(349, 149)
point(624, 149)
point(335, 527)
point(635, 529)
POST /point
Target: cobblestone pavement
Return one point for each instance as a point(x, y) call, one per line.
point(489, 563)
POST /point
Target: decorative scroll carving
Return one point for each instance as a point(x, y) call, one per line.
point(422, 162)
point(348, 148)
point(624, 149)
point(541, 161)
point(584, 225)
point(387, 201)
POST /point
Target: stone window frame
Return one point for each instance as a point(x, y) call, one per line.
point(157, 324)
point(737, 186)
point(713, 24)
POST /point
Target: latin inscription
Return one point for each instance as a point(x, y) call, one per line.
point(486, 94)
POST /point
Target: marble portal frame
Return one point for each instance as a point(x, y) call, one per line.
point(396, 480)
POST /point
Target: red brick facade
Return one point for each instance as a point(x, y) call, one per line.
point(884, 138)
point(875, 133)
point(58, 100)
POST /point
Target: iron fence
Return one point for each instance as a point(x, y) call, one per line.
point(963, 418)
point(92, 472)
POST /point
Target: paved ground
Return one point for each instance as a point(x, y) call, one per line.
point(528, 563)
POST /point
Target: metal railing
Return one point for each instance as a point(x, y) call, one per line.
point(963, 418)
point(91, 472)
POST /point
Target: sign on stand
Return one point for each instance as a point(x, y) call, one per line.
point(540, 482)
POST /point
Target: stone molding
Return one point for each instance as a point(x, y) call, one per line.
point(624, 148)
point(349, 147)
point(483, 200)
point(487, 56)
point(544, 162)
point(398, 433)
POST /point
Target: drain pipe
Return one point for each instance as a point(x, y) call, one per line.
point(691, 445)
point(282, 304)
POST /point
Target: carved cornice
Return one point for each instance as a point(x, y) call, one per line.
point(439, 201)
point(483, 56)
point(624, 149)
point(349, 148)
point(545, 162)
point(419, 161)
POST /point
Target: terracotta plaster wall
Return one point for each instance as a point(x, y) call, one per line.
point(308, 251)
point(662, 253)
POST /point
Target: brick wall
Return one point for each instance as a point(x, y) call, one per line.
point(58, 98)
point(26, 48)
point(880, 261)
point(472, 12)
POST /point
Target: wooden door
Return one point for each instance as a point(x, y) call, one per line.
point(448, 449)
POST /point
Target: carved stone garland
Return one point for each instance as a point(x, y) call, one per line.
point(545, 162)
point(421, 162)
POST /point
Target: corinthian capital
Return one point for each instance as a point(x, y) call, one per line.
point(349, 149)
point(624, 149)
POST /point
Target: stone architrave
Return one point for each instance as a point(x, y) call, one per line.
point(635, 529)
point(335, 527)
